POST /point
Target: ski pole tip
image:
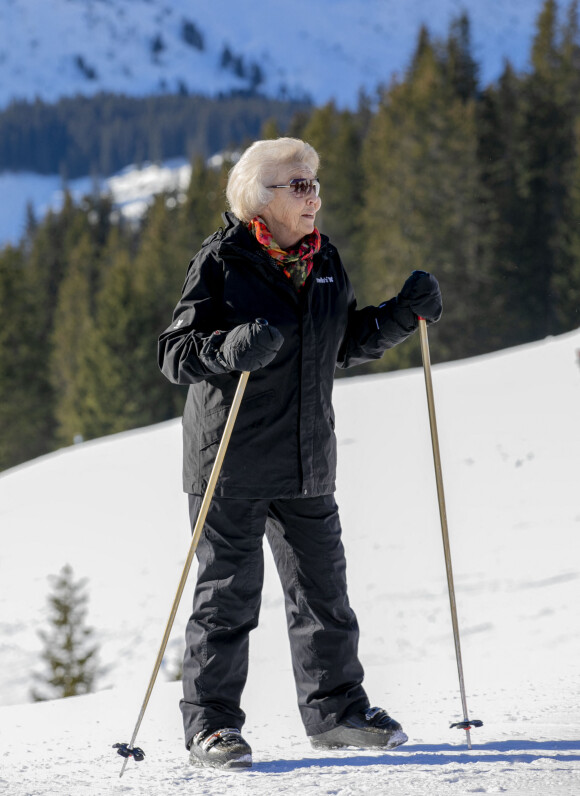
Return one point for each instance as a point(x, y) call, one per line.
point(467, 724)
point(127, 751)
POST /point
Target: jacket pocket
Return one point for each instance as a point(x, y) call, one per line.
point(252, 414)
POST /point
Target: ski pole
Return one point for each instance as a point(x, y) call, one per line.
point(129, 750)
point(466, 724)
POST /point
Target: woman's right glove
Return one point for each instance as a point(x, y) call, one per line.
point(421, 294)
point(249, 346)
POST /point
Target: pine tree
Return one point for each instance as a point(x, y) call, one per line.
point(566, 278)
point(200, 214)
point(109, 377)
point(423, 201)
point(26, 426)
point(72, 325)
point(548, 136)
point(502, 157)
point(551, 106)
point(460, 66)
point(337, 136)
point(159, 268)
point(566, 283)
point(69, 652)
point(43, 270)
point(47, 262)
point(270, 130)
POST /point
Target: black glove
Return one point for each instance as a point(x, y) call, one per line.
point(249, 346)
point(422, 296)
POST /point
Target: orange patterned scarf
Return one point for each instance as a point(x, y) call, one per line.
point(295, 262)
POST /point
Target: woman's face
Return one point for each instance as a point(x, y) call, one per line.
point(289, 217)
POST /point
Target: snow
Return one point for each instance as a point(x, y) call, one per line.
point(509, 431)
point(132, 191)
point(327, 49)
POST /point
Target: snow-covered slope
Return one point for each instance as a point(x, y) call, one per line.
point(510, 439)
point(327, 49)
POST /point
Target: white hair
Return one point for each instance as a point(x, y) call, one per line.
point(247, 192)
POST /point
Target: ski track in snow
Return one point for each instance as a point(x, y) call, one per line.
point(509, 431)
point(80, 760)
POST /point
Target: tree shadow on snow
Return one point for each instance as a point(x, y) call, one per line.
point(437, 755)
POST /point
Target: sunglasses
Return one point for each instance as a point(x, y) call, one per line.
point(301, 187)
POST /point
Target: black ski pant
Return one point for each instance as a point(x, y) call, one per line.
point(305, 538)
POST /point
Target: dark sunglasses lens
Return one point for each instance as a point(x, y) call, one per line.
point(300, 187)
point(304, 187)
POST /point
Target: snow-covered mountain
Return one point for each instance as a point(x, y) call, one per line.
point(323, 49)
point(326, 49)
point(509, 430)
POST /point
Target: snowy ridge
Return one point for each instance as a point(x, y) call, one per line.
point(132, 190)
point(328, 49)
point(510, 443)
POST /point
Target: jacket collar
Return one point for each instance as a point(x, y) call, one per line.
point(237, 233)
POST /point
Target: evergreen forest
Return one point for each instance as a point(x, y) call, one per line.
point(478, 184)
point(99, 135)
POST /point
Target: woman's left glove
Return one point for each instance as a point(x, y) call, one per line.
point(421, 294)
point(246, 347)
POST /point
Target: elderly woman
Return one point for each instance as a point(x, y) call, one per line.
point(269, 294)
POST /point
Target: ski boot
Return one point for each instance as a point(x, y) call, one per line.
point(372, 727)
point(223, 748)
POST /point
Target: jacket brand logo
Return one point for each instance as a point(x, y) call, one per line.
point(324, 280)
point(178, 324)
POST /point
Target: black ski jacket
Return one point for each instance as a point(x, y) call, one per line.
point(283, 444)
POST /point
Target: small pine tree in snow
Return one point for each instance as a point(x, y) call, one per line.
point(69, 654)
